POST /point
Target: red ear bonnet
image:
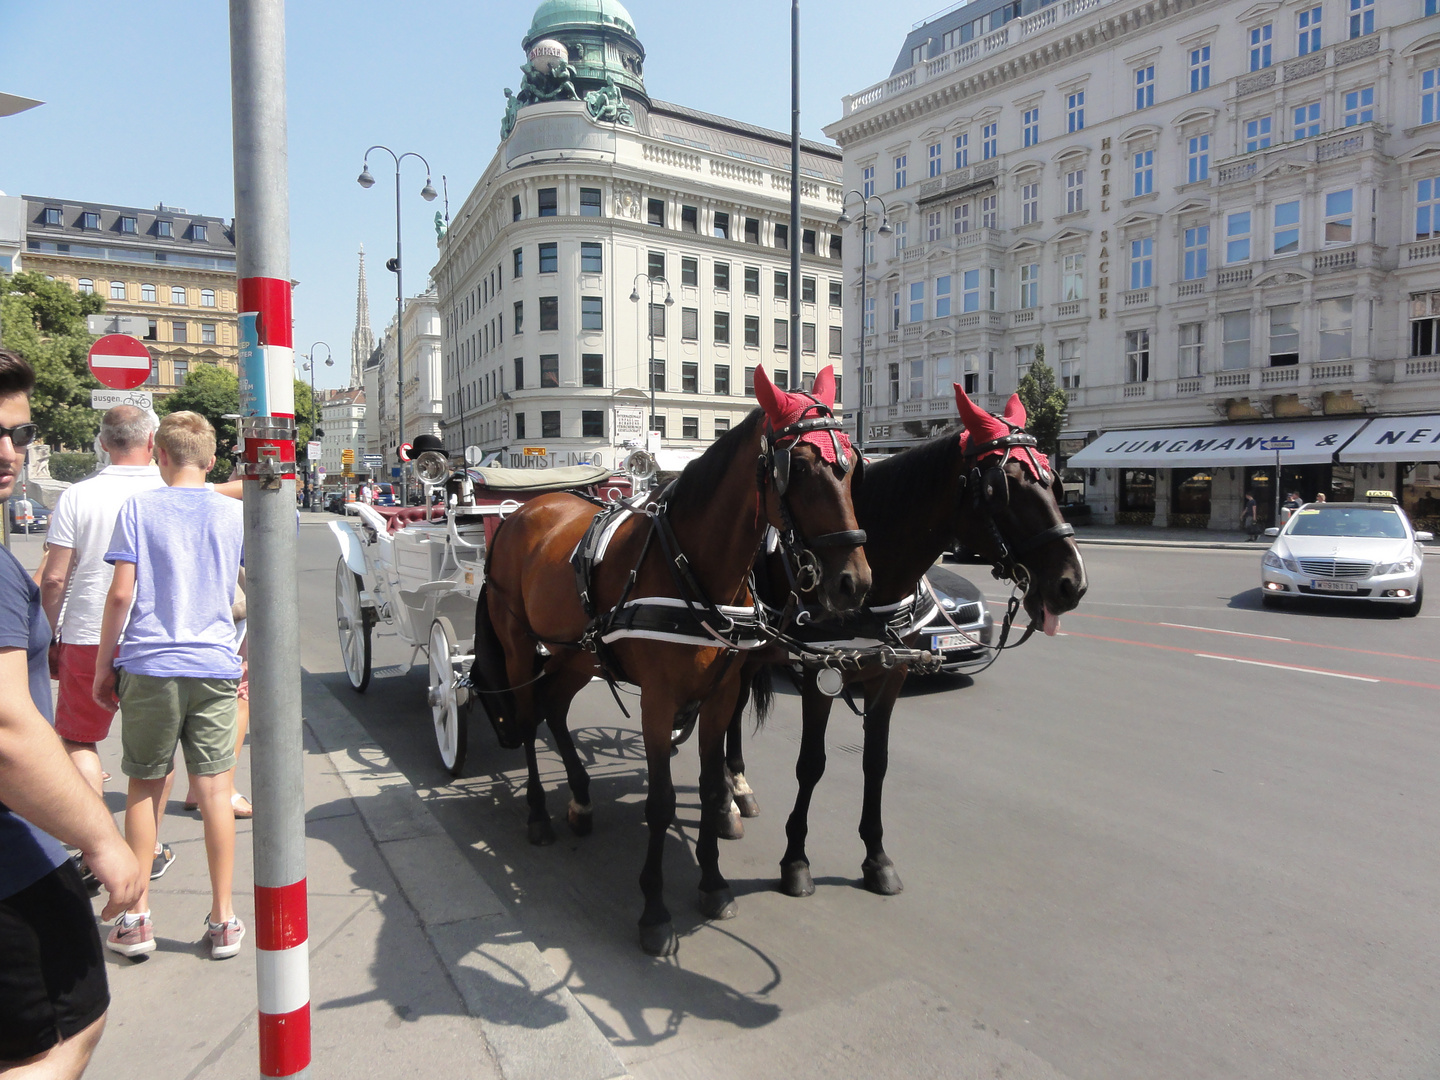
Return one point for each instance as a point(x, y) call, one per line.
point(783, 409)
point(982, 427)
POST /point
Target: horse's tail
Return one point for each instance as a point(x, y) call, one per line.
point(488, 675)
point(762, 693)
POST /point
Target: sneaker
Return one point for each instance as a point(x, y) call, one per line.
point(87, 876)
point(225, 937)
point(132, 935)
point(161, 862)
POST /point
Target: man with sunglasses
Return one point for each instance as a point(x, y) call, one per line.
point(53, 992)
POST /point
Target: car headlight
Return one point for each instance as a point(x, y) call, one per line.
point(1275, 562)
point(1404, 566)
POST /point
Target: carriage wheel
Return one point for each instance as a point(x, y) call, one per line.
point(354, 626)
point(445, 706)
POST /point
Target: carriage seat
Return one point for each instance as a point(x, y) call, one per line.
point(397, 517)
point(532, 481)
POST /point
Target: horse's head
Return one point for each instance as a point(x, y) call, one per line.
point(1010, 513)
point(805, 474)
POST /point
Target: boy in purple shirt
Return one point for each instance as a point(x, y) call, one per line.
point(177, 552)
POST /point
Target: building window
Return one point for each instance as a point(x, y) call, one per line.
point(1427, 208)
point(1286, 228)
point(720, 225)
point(1362, 16)
point(932, 225)
point(549, 204)
point(867, 181)
point(549, 258)
point(89, 219)
point(900, 170)
point(519, 320)
point(85, 286)
point(1030, 203)
point(1075, 110)
point(960, 218)
point(1237, 237)
point(1197, 252)
point(1030, 285)
point(1307, 27)
point(1260, 42)
point(53, 216)
point(1430, 96)
point(1030, 126)
point(592, 312)
point(549, 371)
point(936, 162)
point(989, 212)
point(550, 424)
point(807, 338)
point(179, 371)
point(916, 380)
point(1284, 335)
point(970, 375)
point(197, 233)
point(1072, 276)
point(1070, 364)
point(689, 271)
point(836, 294)
point(177, 295)
point(655, 212)
point(1257, 134)
point(1339, 217)
point(592, 258)
point(962, 151)
point(207, 333)
point(1307, 121)
point(722, 276)
point(1335, 328)
point(1199, 68)
point(128, 225)
point(1197, 159)
point(207, 297)
point(690, 427)
point(147, 293)
point(657, 373)
point(689, 324)
point(782, 335)
point(990, 141)
point(807, 290)
point(1192, 349)
point(835, 246)
point(836, 340)
point(1142, 263)
point(722, 382)
point(894, 373)
point(690, 378)
point(1145, 86)
point(752, 232)
point(164, 229)
point(1075, 191)
point(867, 320)
point(592, 423)
point(752, 331)
point(549, 313)
point(1235, 340)
point(657, 320)
point(655, 265)
point(942, 298)
point(782, 285)
point(1144, 172)
point(179, 331)
point(752, 281)
point(690, 219)
point(1359, 106)
point(722, 425)
point(520, 425)
point(519, 373)
point(515, 209)
point(152, 332)
point(117, 290)
point(1425, 324)
point(1137, 356)
point(589, 202)
point(917, 301)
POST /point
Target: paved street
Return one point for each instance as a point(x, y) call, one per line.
point(1189, 838)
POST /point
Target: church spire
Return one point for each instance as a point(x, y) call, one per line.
point(362, 341)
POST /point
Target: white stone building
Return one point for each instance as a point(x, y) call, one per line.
point(1210, 213)
point(12, 233)
point(342, 418)
point(590, 201)
point(422, 374)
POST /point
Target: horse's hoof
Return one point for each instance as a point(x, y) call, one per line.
point(728, 826)
point(580, 819)
point(541, 833)
point(795, 879)
point(718, 905)
point(748, 805)
point(659, 939)
point(882, 880)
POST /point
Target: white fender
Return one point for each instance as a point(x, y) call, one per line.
point(351, 549)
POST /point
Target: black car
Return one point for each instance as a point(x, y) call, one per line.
point(963, 627)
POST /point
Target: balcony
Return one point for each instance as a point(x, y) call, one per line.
point(1417, 367)
point(1138, 391)
point(1184, 290)
point(1137, 298)
point(1071, 309)
point(1421, 251)
point(1023, 317)
point(1233, 278)
point(1319, 374)
point(1332, 146)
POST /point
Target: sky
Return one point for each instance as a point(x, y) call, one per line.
point(137, 110)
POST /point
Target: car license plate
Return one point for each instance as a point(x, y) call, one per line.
point(942, 642)
point(1332, 586)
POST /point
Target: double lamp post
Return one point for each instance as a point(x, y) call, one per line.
point(650, 314)
point(311, 489)
point(865, 326)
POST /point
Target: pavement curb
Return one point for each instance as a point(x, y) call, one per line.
point(1220, 545)
point(533, 1024)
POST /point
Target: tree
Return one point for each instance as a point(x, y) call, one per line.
point(211, 391)
point(44, 321)
point(307, 416)
point(1045, 403)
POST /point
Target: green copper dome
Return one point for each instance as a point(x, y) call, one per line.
point(561, 15)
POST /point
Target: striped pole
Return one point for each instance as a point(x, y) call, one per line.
point(267, 408)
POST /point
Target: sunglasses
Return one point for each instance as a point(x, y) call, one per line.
point(21, 435)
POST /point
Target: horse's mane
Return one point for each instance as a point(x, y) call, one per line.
point(892, 487)
point(702, 476)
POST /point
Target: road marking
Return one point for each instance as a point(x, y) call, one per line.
point(1287, 667)
point(1213, 630)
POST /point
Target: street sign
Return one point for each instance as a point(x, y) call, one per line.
point(395, 472)
point(312, 451)
point(102, 400)
point(320, 472)
point(474, 455)
point(534, 451)
point(373, 461)
point(120, 362)
point(1278, 444)
point(133, 325)
point(404, 451)
point(347, 456)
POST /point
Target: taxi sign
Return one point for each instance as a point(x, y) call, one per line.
point(1380, 493)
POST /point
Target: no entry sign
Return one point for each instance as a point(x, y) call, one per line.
point(119, 361)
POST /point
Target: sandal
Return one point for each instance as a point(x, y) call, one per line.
point(191, 807)
point(241, 806)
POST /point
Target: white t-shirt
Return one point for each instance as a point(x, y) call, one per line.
point(84, 521)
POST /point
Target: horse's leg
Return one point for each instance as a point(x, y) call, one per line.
point(657, 934)
point(538, 827)
point(716, 804)
point(880, 695)
point(745, 801)
point(557, 715)
point(795, 879)
point(520, 667)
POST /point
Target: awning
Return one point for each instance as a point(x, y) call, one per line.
point(1220, 445)
point(1396, 438)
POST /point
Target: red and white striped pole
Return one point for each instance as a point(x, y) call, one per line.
point(267, 409)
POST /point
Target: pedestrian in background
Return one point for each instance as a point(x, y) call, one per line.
point(53, 990)
point(1250, 517)
point(177, 552)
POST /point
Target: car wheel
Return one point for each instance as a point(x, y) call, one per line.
point(1270, 600)
point(1409, 611)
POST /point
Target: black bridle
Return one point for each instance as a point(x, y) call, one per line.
point(774, 467)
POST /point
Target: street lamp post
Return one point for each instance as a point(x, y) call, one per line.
point(309, 366)
point(884, 230)
point(650, 315)
point(427, 193)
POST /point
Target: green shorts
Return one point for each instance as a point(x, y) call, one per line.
point(157, 713)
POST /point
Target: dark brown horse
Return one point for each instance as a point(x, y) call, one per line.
point(539, 640)
point(984, 487)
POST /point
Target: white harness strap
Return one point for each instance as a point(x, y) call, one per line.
point(701, 639)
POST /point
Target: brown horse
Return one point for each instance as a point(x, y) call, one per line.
point(985, 487)
point(539, 639)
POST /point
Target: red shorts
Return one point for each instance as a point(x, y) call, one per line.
point(77, 715)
